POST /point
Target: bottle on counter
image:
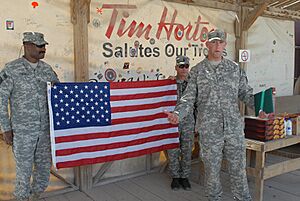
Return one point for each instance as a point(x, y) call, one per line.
point(288, 127)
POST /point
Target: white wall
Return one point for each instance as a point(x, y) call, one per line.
point(272, 46)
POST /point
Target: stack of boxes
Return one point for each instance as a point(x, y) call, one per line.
point(264, 129)
point(271, 129)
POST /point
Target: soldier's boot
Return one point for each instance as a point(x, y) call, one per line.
point(35, 197)
point(185, 184)
point(175, 185)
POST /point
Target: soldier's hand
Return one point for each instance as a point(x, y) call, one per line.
point(172, 77)
point(262, 114)
point(172, 117)
point(8, 137)
point(271, 115)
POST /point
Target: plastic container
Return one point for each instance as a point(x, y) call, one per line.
point(288, 127)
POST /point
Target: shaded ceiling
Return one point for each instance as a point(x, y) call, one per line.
point(288, 9)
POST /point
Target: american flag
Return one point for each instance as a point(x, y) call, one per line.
point(96, 122)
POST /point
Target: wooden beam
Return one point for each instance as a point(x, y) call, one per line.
point(277, 144)
point(281, 168)
point(240, 43)
point(80, 17)
point(63, 179)
point(282, 13)
point(238, 33)
point(148, 162)
point(281, 16)
point(209, 4)
point(295, 7)
point(101, 172)
point(253, 15)
point(281, 3)
point(83, 177)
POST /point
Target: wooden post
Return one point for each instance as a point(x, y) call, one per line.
point(80, 14)
point(240, 42)
point(259, 179)
point(80, 17)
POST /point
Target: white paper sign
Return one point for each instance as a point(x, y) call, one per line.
point(244, 55)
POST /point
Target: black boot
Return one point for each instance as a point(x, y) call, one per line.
point(185, 184)
point(175, 185)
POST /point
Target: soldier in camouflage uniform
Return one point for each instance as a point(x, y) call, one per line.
point(215, 86)
point(26, 125)
point(180, 158)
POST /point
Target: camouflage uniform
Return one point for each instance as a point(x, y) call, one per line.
point(180, 158)
point(216, 91)
point(24, 89)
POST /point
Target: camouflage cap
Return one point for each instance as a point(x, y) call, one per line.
point(182, 60)
point(217, 34)
point(35, 38)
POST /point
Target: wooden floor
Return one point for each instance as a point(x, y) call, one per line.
point(156, 187)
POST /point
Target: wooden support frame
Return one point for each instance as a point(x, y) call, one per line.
point(71, 187)
point(256, 152)
point(209, 4)
point(253, 15)
point(80, 17)
point(101, 172)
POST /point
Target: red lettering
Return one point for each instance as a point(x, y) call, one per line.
point(163, 25)
point(112, 23)
point(180, 30)
point(132, 29)
point(189, 32)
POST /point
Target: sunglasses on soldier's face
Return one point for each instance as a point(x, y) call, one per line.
point(40, 46)
point(184, 66)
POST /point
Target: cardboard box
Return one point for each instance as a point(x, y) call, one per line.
point(264, 129)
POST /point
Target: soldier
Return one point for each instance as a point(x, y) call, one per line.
point(25, 126)
point(180, 158)
point(215, 86)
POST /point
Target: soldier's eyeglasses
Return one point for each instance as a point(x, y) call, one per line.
point(40, 46)
point(184, 66)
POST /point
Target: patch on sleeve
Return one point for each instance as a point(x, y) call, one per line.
point(3, 77)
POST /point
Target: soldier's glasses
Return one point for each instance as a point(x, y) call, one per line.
point(40, 46)
point(184, 66)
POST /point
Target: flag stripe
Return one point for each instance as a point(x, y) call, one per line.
point(142, 95)
point(151, 84)
point(112, 128)
point(120, 150)
point(142, 90)
point(111, 134)
point(122, 138)
point(113, 145)
point(141, 107)
point(138, 118)
point(140, 111)
point(113, 157)
point(142, 101)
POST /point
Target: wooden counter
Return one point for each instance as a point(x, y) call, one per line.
point(256, 153)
